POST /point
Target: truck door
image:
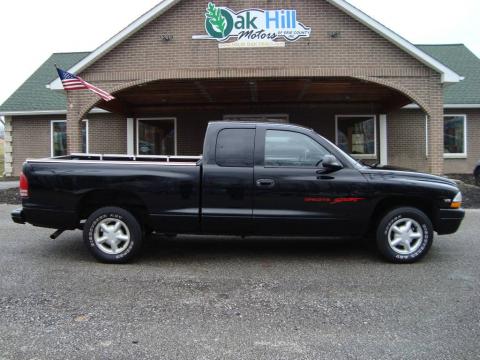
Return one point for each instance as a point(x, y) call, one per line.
point(293, 195)
point(227, 187)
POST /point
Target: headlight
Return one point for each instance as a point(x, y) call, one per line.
point(457, 201)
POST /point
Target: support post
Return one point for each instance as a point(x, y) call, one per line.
point(8, 156)
point(130, 137)
point(435, 142)
point(74, 129)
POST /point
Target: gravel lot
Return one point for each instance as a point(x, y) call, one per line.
point(211, 298)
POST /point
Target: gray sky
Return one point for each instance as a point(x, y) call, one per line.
point(31, 29)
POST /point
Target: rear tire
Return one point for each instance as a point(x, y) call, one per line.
point(404, 235)
point(113, 235)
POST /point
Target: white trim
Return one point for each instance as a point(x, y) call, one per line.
point(448, 75)
point(162, 119)
point(383, 140)
point(238, 117)
point(360, 156)
point(130, 136)
point(87, 140)
point(463, 155)
point(48, 112)
point(461, 106)
point(131, 29)
point(446, 106)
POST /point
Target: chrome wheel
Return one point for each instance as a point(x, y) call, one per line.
point(112, 236)
point(405, 236)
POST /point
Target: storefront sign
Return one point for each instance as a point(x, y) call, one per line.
point(252, 27)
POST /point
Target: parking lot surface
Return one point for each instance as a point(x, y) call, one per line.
point(232, 298)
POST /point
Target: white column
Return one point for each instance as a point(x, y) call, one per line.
point(130, 136)
point(383, 140)
point(8, 147)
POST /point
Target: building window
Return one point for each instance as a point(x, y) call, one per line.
point(291, 149)
point(156, 137)
point(59, 137)
point(455, 136)
point(357, 135)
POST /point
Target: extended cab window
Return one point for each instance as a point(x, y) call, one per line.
point(235, 148)
point(292, 149)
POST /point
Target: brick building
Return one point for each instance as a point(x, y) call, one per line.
point(320, 63)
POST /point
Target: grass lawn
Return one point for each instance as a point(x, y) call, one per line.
point(1, 158)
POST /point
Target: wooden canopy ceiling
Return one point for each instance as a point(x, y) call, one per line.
point(221, 93)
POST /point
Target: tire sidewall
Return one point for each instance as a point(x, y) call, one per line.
point(114, 213)
point(384, 228)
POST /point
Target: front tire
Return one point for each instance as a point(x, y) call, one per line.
point(113, 235)
point(404, 235)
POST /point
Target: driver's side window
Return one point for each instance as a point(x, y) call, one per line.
point(292, 149)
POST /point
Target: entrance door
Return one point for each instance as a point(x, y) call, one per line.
point(294, 196)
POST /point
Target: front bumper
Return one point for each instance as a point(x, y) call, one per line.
point(449, 220)
point(18, 216)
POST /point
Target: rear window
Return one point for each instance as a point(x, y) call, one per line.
point(235, 148)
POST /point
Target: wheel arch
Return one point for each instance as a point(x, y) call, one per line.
point(389, 203)
point(96, 199)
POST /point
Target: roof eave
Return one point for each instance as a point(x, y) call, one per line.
point(46, 112)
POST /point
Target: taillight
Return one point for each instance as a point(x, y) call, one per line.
point(23, 186)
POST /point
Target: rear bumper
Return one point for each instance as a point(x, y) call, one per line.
point(449, 221)
point(17, 216)
point(48, 218)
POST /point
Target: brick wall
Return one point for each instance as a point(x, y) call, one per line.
point(31, 136)
point(107, 134)
point(407, 139)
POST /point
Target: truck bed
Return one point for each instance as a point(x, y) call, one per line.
point(64, 189)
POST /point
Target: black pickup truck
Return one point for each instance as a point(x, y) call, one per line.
point(253, 179)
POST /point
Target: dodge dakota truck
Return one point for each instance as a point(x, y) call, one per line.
point(253, 179)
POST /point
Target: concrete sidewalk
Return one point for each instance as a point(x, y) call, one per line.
point(4, 185)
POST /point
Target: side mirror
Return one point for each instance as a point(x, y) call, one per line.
point(331, 164)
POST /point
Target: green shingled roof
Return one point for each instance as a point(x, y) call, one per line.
point(461, 60)
point(32, 95)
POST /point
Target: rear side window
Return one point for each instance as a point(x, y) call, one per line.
point(235, 148)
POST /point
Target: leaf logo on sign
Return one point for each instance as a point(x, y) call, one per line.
point(216, 18)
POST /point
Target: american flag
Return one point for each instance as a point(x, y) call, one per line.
point(73, 82)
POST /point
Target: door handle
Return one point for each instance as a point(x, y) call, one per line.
point(266, 183)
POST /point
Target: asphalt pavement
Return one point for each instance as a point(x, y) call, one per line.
point(232, 298)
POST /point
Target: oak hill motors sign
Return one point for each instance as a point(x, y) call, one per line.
point(252, 27)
